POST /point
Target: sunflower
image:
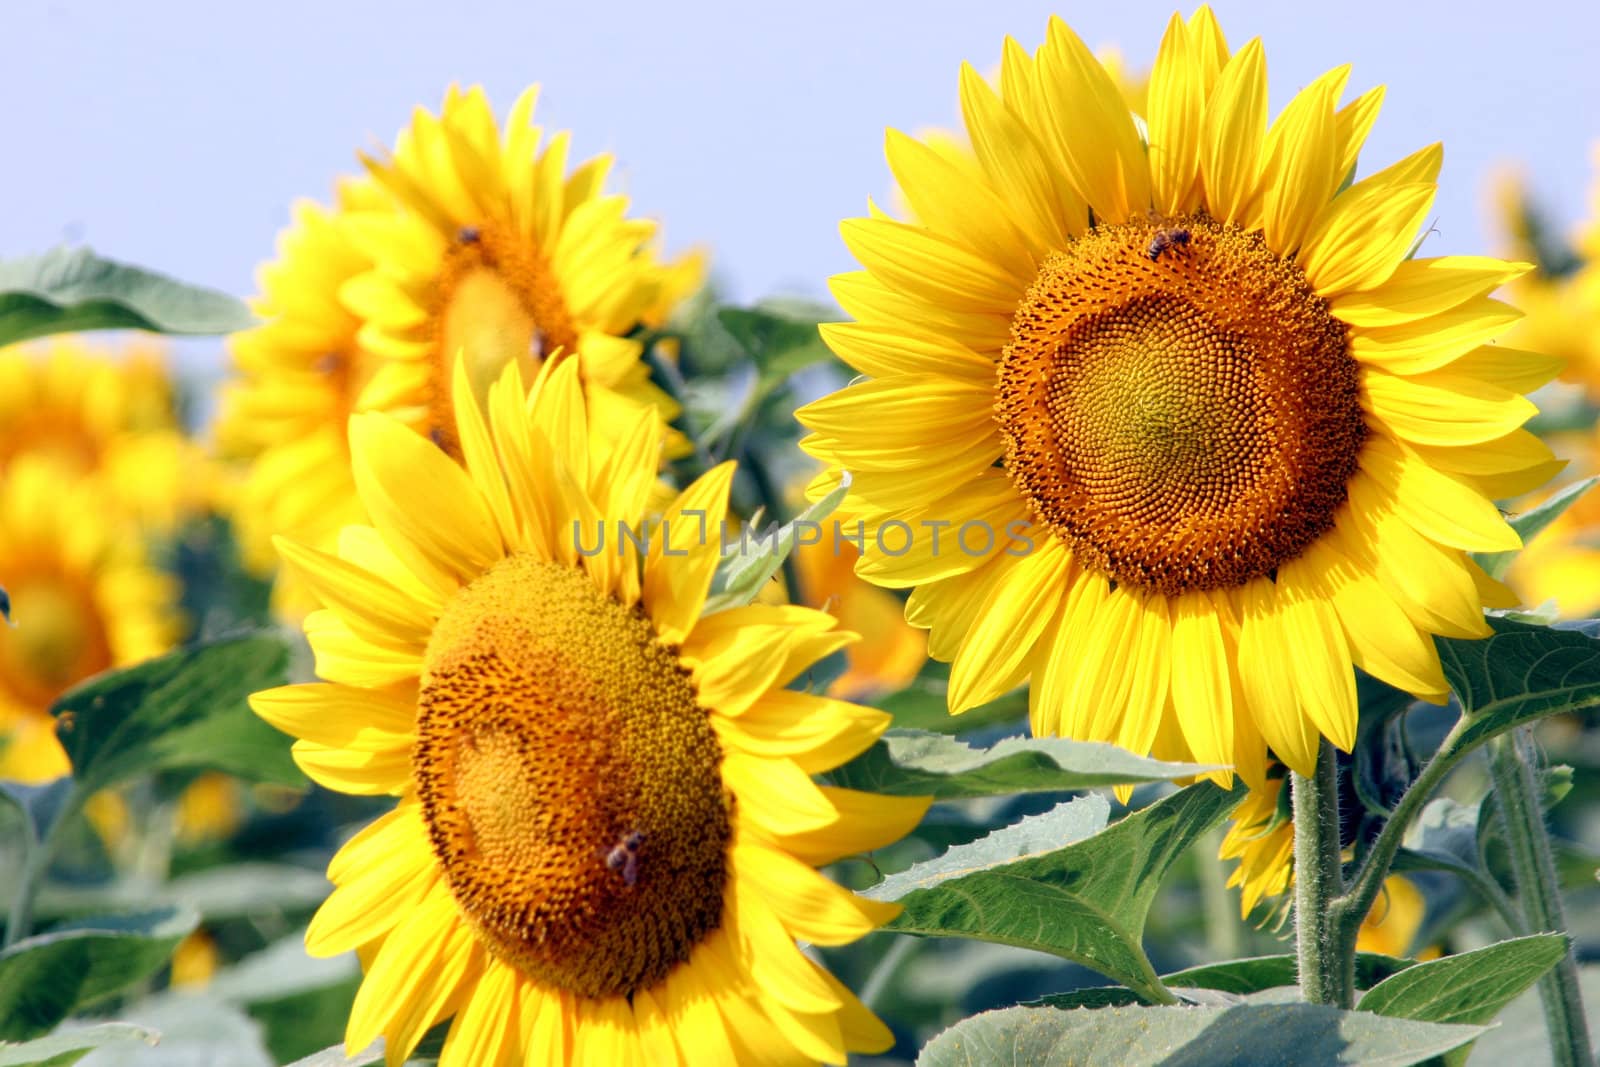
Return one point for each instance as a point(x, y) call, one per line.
point(300, 374)
point(1261, 838)
point(106, 412)
point(1197, 411)
point(1561, 300)
point(496, 252)
point(606, 831)
point(462, 239)
point(83, 599)
point(890, 653)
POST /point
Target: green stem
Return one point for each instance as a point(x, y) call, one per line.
point(1349, 910)
point(1327, 973)
point(37, 856)
point(1538, 891)
point(1223, 926)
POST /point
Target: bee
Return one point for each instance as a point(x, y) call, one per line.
point(624, 857)
point(468, 235)
point(1167, 238)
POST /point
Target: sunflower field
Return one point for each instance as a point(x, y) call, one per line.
point(1144, 617)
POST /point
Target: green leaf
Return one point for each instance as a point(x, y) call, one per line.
point(1520, 673)
point(1520, 1036)
point(1469, 988)
point(1240, 977)
point(69, 1046)
point(301, 1002)
point(1446, 832)
point(1529, 524)
point(335, 1057)
point(1307, 1035)
point(925, 705)
point(755, 558)
point(70, 289)
point(232, 891)
point(780, 344)
point(185, 709)
point(44, 979)
point(1085, 902)
point(917, 763)
point(196, 1028)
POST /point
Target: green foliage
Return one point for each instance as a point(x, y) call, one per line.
point(69, 1046)
point(335, 1057)
point(754, 561)
point(780, 345)
point(185, 709)
point(1469, 988)
point(1085, 902)
point(924, 705)
point(1308, 1035)
point(1522, 672)
point(69, 289)
point(1237, 977)
point(916, 763)
point(1529, 524)
point(46, 978)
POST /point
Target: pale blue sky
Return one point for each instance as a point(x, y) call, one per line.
point(176, 134)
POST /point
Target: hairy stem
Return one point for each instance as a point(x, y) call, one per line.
point(1511, 761)
point(1327, 970)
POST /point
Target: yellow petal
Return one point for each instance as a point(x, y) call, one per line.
point(1422, 288)
point(1093, 128)
point(1435, 504)
point(1234, 128)
point(994, 655)
point(1440, 408)
point(675, 584)
point(1177, 102)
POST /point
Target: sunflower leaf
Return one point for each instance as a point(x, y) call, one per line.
point(1086, 901)
point(1520, 673)
point(918, 763)
point(66, 290)
point(40, 805)
point(185, 709)
point(778, 342)
point(754, 558)
point(1312, 1035)
point(335, 1057)
point(69, 1046)
point(1238, 977)
point(44, 979)
point(1529, 524)
point(1468, 988)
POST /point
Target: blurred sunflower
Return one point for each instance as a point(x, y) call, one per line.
point(463, 240)
point(83, 599)
point(300, 375)
point(604, 845)
point(891, 652)
point(1203, 415)
point(1261, 838)
point(110, 413)
point(1560, 299)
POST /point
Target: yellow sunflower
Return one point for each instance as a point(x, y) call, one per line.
point(1201, 416)
point(496, 252)
point(1261, 838)
point(604, 844)
point(890, 653)
point(300, 375)
point(1561, 313)
point(83, 599)
point(463, 239)
point(107, 412)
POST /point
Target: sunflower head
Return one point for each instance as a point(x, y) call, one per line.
point(1202, 410)
point(84, 598)
point(110, 414)
point(606, 832)
point(466, 240)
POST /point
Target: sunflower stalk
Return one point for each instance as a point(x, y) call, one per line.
point(1538, 891)
point(1327, 971)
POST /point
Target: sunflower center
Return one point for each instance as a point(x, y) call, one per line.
point(497, 302)
point(1178, 404)
point(570, 782)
